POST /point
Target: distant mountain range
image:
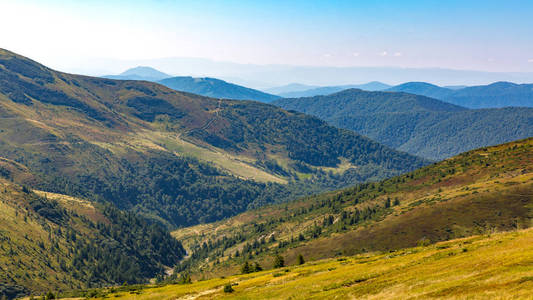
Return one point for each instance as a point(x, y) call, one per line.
point(416, 124)
point(209, 87)
point(266, 76)
point(498, 94)
point(326, 90)
point(216, 88)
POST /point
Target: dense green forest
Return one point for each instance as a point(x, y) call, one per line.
point(417, 124)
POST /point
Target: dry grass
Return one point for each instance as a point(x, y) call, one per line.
point(480, 267)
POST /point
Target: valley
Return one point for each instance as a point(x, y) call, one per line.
point(154, 151)
point(237, 149)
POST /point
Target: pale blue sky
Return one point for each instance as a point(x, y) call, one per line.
point(475, 35)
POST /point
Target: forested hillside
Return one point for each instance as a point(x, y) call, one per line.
point(417, 124)
point(174, 157)
point(55, 242)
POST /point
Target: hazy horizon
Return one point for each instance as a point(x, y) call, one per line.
point(454, 42)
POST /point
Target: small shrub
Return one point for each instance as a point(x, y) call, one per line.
point(246, 269)
point(279, 262)
point(257, 267)
point(228, 288)
point(301, 260)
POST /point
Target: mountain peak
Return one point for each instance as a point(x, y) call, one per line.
point(145, 71)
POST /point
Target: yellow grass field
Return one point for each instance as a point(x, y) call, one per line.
point(497, 266)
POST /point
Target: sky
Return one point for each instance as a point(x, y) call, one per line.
point(495, 36)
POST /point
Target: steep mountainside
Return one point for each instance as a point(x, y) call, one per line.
point(498, 94)
point(216, 88)
point(175, 157)
point(140, 73)
point(326, 90)
point(417, 124)
point(484, 190)
point(55, 242)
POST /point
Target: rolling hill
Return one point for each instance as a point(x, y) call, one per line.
point(326, 90)
point(416, 124)
point(481, 191)
point(140, 73)
point(495, 95)
point(177, 158)
point(423, 89)
point(216, 88)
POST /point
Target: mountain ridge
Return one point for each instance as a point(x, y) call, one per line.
point(417, 124)
point(495, 95)
point(215, 88)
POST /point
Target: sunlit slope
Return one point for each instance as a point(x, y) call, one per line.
point(484, 190)
point(155, 151)
point(496, 266)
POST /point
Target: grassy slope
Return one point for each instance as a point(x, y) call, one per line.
point(479, 191)
point(495, 266)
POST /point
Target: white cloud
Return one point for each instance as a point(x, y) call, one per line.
point(384, 53)
point(398, 54)
point(327, 55)
point(530, 60)
point(355, 54)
